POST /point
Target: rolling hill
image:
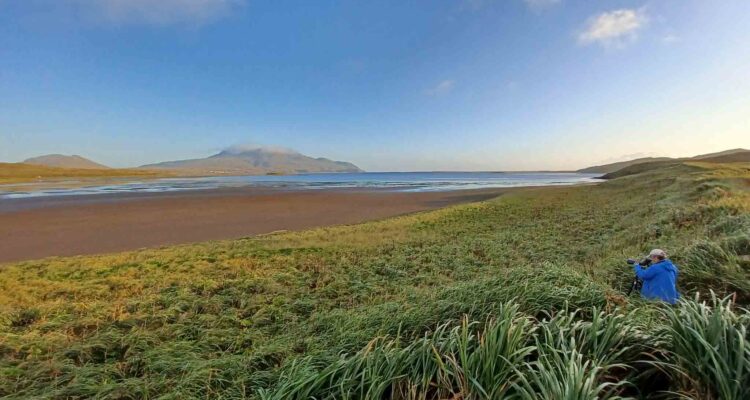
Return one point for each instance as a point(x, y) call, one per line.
point(728, 156)
point(256, 161)
point(21, 172)
point(63, 161)
point(731, 156)
point(608, 168)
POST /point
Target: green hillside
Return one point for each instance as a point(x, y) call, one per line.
point(609, 168)
point(734, 157)
point(642, 164)
point(639, 168)
point(19, 172)
point(522, 296)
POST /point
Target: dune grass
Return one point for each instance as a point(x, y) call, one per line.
point(519, 297)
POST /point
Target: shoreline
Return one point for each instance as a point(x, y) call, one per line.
point(13, 182)
point(36, 228)
point(329, 181)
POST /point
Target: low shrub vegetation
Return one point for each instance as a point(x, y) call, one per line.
point(523, 296)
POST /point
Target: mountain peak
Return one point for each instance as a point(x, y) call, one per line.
point(256, 160)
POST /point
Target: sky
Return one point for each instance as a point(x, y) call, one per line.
point(388, 85)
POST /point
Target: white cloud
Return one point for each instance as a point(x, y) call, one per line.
point(157, 12)
point(613, 28)
point(541, 4)
point(441, 88)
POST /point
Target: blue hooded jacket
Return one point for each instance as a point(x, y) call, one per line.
point(659, 281)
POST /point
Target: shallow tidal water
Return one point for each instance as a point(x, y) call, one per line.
point(397, 181)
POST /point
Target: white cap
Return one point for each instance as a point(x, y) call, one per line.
point(658, 253)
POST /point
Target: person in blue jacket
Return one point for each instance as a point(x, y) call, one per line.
point(660, 279)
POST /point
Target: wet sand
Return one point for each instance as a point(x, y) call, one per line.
point(35, 228)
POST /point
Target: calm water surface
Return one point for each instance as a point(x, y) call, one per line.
point(398, 181)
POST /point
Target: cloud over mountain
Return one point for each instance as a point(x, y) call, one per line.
point(244, 148)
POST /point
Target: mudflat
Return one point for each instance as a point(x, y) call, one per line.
point(76, 225)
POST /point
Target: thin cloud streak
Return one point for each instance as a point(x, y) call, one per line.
point(476, 5)
point(670, 39)
point(441, 88)
point(541, 4)
point(156, 12)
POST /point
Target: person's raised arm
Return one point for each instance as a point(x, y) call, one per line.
point(645, 274)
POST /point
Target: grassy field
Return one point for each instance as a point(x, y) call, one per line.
point(521, 297)
point(22, 173)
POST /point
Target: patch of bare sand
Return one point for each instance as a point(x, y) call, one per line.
point(66, 226)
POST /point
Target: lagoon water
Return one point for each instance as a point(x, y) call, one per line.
point(397, 181)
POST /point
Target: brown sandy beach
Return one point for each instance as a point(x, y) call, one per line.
point(77, 225)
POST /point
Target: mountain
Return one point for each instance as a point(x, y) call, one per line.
point(256, 161)
point(63, 161)
point(727, 156)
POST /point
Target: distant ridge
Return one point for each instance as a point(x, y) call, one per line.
point(256, 161)
point(607, 168)
point(727, 156)
point(63, 161)
point(22, 172)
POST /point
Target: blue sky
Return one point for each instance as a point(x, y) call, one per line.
point(388, 85)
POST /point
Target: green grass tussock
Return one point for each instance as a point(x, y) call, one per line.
point(709, 350)
point(522, 296)
point(702, 348)
point(465, 360)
